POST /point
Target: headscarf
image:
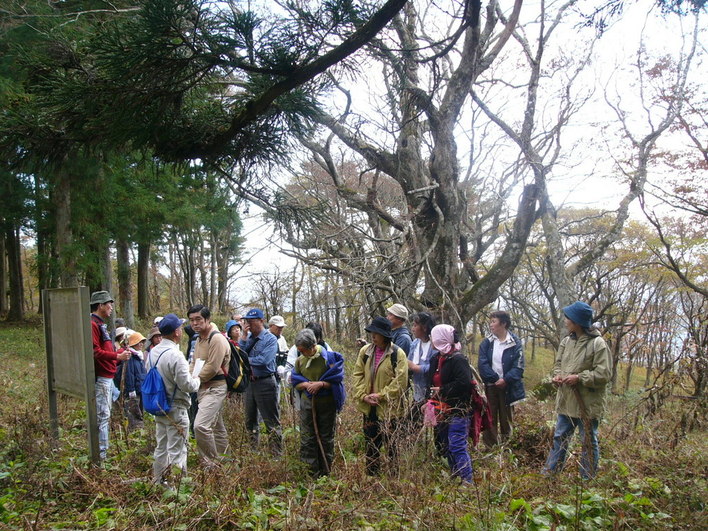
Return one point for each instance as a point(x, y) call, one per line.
point(443, 338)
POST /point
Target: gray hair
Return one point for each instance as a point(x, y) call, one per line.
point(305, 339)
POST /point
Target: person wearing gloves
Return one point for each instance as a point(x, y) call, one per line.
point(379, 383)
point(318, 377)
point(134, 370)
point(582, 370)
point(501, 366)
point(172, 430)
point(451, 384)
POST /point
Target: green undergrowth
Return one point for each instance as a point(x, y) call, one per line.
point(649, 479)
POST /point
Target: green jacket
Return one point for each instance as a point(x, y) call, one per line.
point(590, 359)
point(389, 382)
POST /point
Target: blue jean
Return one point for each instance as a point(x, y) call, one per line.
point(452, 438)
point(104, 401)
point(565, 428)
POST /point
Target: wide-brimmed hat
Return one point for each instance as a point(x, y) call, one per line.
point(100, 297)
point(277, 320)
point(380, 325)
point(398, 310)
point(154, 331)
point(580, 313)
point(120, 331)
point(135, 338)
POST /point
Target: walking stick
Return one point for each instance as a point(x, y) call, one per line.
point(317, 434)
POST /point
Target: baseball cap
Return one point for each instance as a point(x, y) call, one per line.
point(399, 311)
point(254, 313)
point(170, 323)
point(277, 320)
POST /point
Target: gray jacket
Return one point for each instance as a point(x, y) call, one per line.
point(174, 371)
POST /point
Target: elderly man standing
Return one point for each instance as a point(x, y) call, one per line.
point(262, 395)
point(105, 360)
point(275, 327)
point(400, 335)
point(213, 349)
point(172, 430)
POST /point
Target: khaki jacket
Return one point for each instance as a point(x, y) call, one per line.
point(391, 383)
point(216, 354)
point(590, 359)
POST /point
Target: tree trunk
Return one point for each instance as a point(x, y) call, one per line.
point(12, 237)
point(68, 275)
point(628, 373)
point(213, 244)
point(616, 354)
point(156, 304)
point(143, 289)
point(3, 276)
point(125, 287)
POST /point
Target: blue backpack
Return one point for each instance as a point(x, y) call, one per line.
point(154, 394)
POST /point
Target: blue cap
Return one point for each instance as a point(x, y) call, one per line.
point(254, 313)
point(580, 313)
point(170, 323)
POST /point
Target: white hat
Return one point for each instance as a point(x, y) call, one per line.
point(120, 331)
point(157, 320)
point(399, 311)
point(277, 320)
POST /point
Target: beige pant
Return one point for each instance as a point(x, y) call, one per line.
point(209, 429)
point(171, 432)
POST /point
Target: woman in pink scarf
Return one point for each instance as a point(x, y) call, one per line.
point(451, 384)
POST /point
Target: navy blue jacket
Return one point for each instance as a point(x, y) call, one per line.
point(134, 376)
point(512, 366)
point(401, 337)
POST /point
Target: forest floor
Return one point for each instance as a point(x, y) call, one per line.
point(653, 469)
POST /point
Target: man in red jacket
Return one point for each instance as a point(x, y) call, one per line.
point(105, 360)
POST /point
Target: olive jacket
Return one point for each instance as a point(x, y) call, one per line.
point(390, 382)
point(589, 358)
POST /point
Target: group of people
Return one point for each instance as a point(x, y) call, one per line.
point(400, 381)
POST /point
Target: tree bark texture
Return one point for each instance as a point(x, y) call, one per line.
point(125, 286)
point(14, 261)
point(143, 280)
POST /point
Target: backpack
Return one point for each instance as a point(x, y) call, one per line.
point(153, 392)
point(239, 374)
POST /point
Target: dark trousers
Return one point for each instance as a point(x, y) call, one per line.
point(262, 397)
point(502, 417)
point(326, 416)
point(378, 432)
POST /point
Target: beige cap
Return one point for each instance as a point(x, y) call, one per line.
point(399, 311)
point(277, 320)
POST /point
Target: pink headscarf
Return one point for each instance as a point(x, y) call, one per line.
point(443, 338)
